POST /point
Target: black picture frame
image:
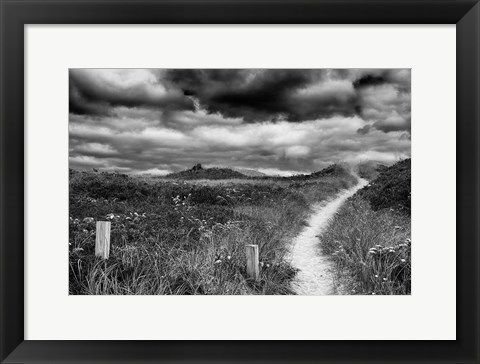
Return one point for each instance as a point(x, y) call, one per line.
point(15, 14)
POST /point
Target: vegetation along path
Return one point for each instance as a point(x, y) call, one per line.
point(314, 276)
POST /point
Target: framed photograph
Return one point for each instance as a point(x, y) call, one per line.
point(239, 181)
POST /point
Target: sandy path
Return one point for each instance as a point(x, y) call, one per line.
point(314, 277)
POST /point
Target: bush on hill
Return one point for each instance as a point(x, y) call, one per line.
point(198, 172)
point(334, 170)
point(391, 189)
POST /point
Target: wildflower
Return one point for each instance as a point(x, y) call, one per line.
point(403, 260)
point(88, 219)
point(268, 265)
point(218, 261)
point(261, 264)
point(229, 257)
point(376, 275)
point(384, 279)
point(110, 216)
point(373, 293)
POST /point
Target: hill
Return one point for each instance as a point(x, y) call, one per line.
point(391, 189)
point(249, 172)
point(370, 169)
point(333, 170)
point(198, 172)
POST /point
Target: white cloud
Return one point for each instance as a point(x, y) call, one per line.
point(297, 151)
point(86, 161)
point(96, 148)
point(339, 89)
point(278, 172)
point(281, 146)
point(124, 80)
point(154, 171)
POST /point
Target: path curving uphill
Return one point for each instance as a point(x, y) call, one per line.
point(314, 277)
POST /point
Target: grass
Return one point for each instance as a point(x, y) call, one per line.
point(369, 238)
point(174, 237)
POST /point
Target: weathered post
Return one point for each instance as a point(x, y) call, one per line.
point(253, 268)
point(102, 239)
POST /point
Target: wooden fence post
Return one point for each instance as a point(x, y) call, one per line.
point(102, 239)
point(253, 268)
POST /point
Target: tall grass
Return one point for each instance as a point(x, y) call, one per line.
point(371, 249)
point(182, 238)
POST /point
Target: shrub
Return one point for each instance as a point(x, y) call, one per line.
point(391, 189)
point(371, 249)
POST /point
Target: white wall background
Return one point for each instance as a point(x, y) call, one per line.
point(429, 313)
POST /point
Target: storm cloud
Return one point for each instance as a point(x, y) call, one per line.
point(276, 120)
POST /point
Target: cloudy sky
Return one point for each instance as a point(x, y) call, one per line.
point(272, 120)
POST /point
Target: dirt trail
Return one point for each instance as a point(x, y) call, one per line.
point(315, 277)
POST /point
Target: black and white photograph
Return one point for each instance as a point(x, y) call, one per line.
point(239, 181)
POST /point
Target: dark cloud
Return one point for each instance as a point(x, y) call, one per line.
point(266, 119)
point(364, 130)
point(292, 95)
point(94, 95)
point(385, 100)
point(80, 105)
point(368, 80)
point(254, 95)
point(259, 95)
